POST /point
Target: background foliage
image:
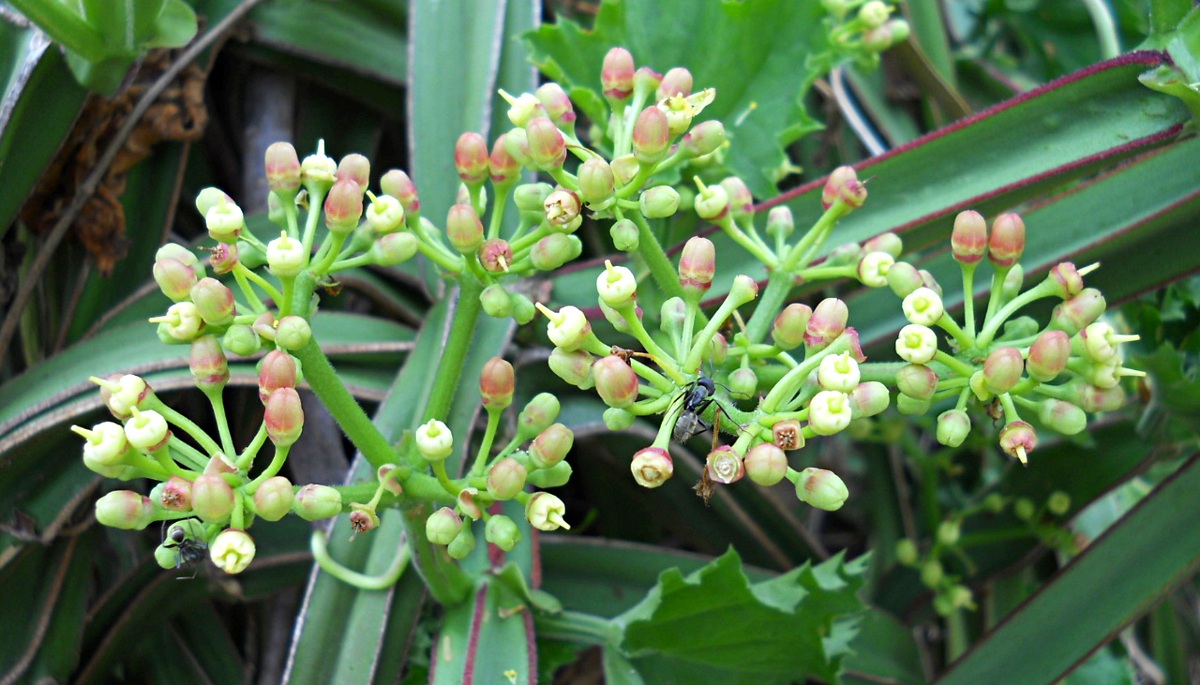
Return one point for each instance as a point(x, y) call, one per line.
point(1100, 166)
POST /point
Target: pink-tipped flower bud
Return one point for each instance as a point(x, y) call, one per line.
point(1048, 355)
point(651, 467)
point(471, 158)
point(434, 440)
point(212, 498)
point(209, 367)
point(645, 82)
point(502, 532)
point(545, 512)
point(274, 497)
point(283, 169)
point(573, 367)
point(1007, 241)
point(697, 264)
point(780, 223)
point(562, 209)
point(232, 551)
point(344, 206)
point(354, 167)
point(888, 243)
point(317, 502)
point(788, 331)
point(917, 381)
point(541, 411)
point(277, 370)
point(843, 184)
point(1079, 312)
point(596, 181)
point(398, 184)
point(1064, 417)
point(765, 464)
point(443, 526)
point(916, 344)
point(496, 383)
point(742, 291)
point(1066, 280)
point(146, 431)
point(551, 446)
point(214, 302)
point(869, 399)
point(821, 488)
point(464, 229)
point(1002, 370)
point(677, 81)
point(505, 479)
point(547, 147)
point(174, 278)
point(724, 466)
point(953, 426)
point(176, 494)
point(616, 381)
point(704, 138)
point(124, 509)
point(1018, 439)
point(502, 166)
point(741, 201)
point(651, 136)
point(556, 103)
point(969, 239)
point(284, 417)
point(827, 322)
point(393, 249)
point(616, 75)
point(829, 412)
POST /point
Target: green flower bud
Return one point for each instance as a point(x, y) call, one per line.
point(906, 551)
point(317, 502)
point(124, 509)
point(292, 333)
point(1002, 370)
point(496, 301)
point(554, 250)
point(393, 249)
point(743, 382)
point(869, 399)
point(541, 411)
point(932, 573)
point(659, 202)
point(502, 532)
point(948, 533)
point(704, 138)
point(274, 498)
point(917, 381)
point(175, 279)
point(1064, 417)
point(616, 285)
point(766, 464)
point(573, 367)
point(624, 235)
point(903, 278)
point(821, 488)
point(616, 419)
point(788, 330)
point(1058, 503)
point(285, 256)
point(553, 477)
point(953, 426)
point(827, 322)
point(462, 545)
point(506, 478)
point(551, 446)
point(911, 406)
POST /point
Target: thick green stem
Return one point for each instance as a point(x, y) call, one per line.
point(454, 354)
point(656, 259)
point(770, 303)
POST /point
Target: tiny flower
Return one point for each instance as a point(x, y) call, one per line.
point(443, 526)
point(765, 464)
point(284, 417)
point(502, 532)
point(651, 136)
point(181, 323)
point(385, 214)
point(573, 367)
point(541, 411)
point(843, 184)
point(545, 512)
point(225, 221)
point(821, 488)
point(923, 307)
point(1007, 241)
point(697, 265)
point(827, 322)
point(659, 202)
point(917, 381)
point(147, 430)
point(724, 466)
point(712, 202)
point(869, 399)
point(652, 467)
point(616, 76)
point(471, 158)
point(838, 372)
point(829, 412)
point(283, 169)
point(873, 269)
point(274, 497)
point(616, 381)
point(434, 440)
point(315, 502)
point(916, 344)
point(398, 184)
point(232, 551)
point(212, 498)
point(616, 285)
point(596, 181)
point(363, 518)
point(547, 147)
point(106, 443)
point(393, 249)
point(464, 228)
point(496, 383)
point(1077, 313)
point(286, 257)
point(551, 446)
point(384, 474)
point(1018, 439)
point(903, 278)
point(568, 328)
point(562, 209)
point(223, 258)
point(682, 110)
point(1048, 355)
point(124, 509)
point(1100, 341)
point(789, 328)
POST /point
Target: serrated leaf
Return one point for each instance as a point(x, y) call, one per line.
point(785, 628)
point(754, 53)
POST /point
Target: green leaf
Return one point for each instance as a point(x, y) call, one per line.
point(754, 53)
point(1157, 539)
point(486, 639)
point(781, 629)
point(174, 26)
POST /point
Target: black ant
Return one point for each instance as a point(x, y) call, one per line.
point(188, 550)
point(695, 401)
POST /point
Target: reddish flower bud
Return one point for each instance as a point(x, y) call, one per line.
point(562, 209)
point(556, 103)
point(704, 138)
point(284, 417)
point(274, 497)
point(1048, 355)
point(496, 383)
point(766, 464)
point(869, 399)
point(214, 302)
point(1067, 280)
point(277, 370)
point(1018, 439)
point(124, 509)
point(616, 382)
point(652, 467)
point(316, 502)
point(547, 147)
point(697, 264)
point(344, 205)
point(1079, 312)
point(397, 184)
point(176, 494)
point(357, 168)
point(174, 278)
point(790, 326)
point(502, 166)
point(596, 181)
point(677, 81)
point(210, 368)
point(551, 446)
point(506, 478)
point(464, 229)
point(1002, 370)
point(827, 322)
point(212, 498)
point(495, 255)
point(843, 184)
point(651, 136)
point(573, 367)
point(969, 239)
point(741, 201)
point(1094, 399)
point(1007, 240)
point(283, 169)
point(471, 158)
point(888, 243)
point(616, 75)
